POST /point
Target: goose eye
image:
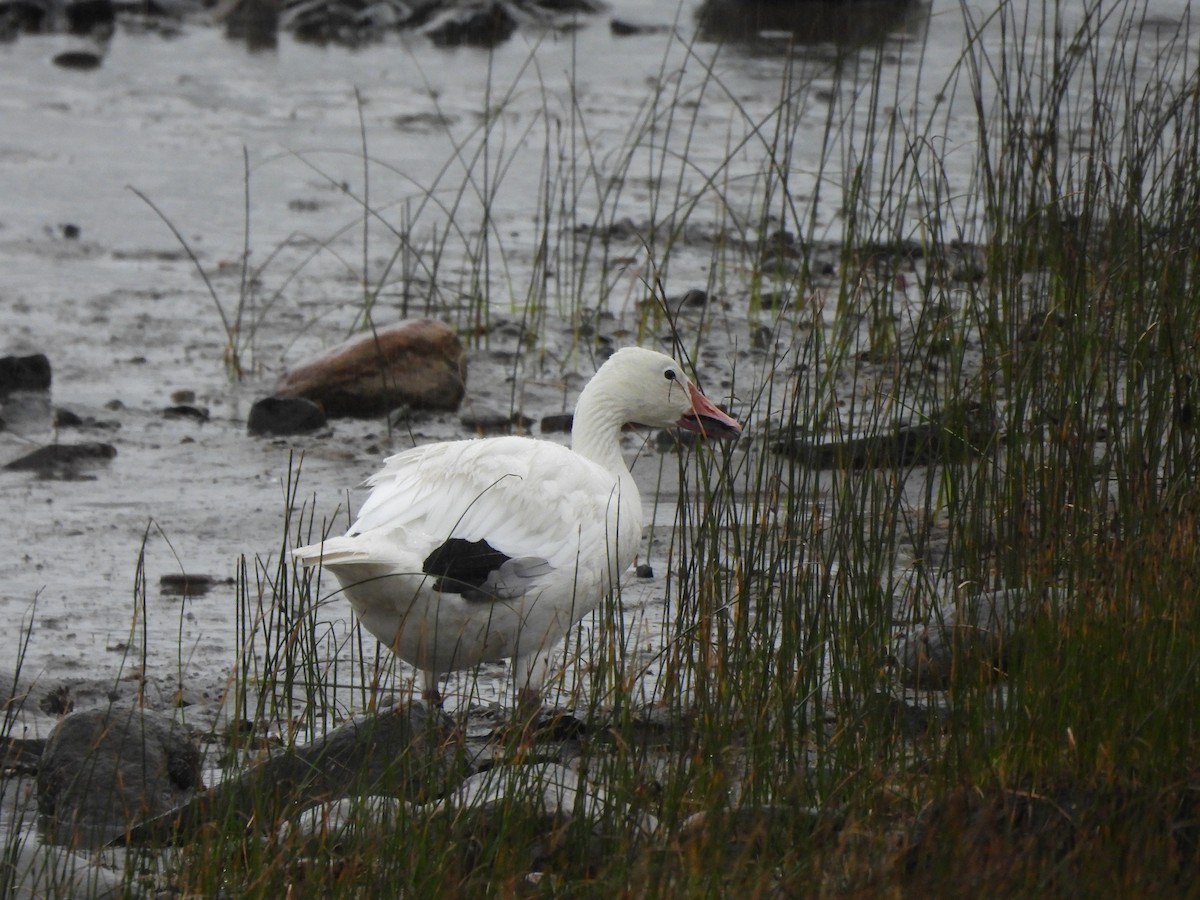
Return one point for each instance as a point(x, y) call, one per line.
point(670, 375)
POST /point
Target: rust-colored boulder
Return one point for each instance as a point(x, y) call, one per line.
point(418, 362)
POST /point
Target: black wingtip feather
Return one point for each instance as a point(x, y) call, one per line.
point(462, 567)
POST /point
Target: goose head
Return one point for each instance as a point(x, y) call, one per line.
point(645, 387)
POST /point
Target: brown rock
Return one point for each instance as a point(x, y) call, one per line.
point(418, 362)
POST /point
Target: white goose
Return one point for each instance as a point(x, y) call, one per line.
point(479, 550)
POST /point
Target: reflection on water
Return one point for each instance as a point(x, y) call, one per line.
point(770, 24)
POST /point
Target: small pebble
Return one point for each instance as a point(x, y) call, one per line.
point(64, 418)
point(182, 584)
point(182, 411)
point(285, 415)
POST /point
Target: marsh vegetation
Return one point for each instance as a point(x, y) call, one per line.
point(1010, 254)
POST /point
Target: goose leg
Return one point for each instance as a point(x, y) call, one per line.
point(529, 700)
point(429, 689)
point(529, 673)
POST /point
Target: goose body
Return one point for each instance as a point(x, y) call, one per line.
point(480, 550)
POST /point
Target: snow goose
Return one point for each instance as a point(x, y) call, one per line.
point(479, 550)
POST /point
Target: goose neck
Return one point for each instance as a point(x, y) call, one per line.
point(596, 432)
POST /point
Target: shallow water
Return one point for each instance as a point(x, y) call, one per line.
point(123, 316)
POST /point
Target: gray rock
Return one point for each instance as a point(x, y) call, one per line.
point(285, 415)
point(24, 373)
point(105, 769)
point(971, 630)
point(402, 753)
point(901, 446)
point(473, 25)
point(188, 584)
point(66, 461)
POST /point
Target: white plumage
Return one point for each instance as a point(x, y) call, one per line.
point(478, 550)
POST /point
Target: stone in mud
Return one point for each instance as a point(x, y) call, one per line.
point(628, 28)
point(976, 632)
point(486, 420)
point(81, 59)
point(908, 720)
point(103, 770)
point(959, 436)
point(285, 415)
point(17, 16)
point(186, 584)
point(185, 411)
point(85, 17)
point(481, 25)
point(57, 701)
point(63, 460)
point(693, 299)
point(843, 23)
point(349, 22)
point(64, 418)
point(254, 21)
point(556, 422)
point(419, 362)
point(24, 373)
point(404, 753)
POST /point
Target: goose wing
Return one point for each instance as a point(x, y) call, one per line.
point(489, 519)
